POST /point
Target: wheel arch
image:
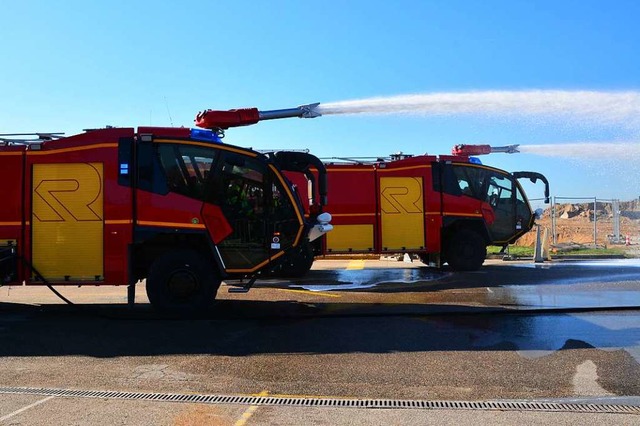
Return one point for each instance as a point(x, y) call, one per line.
point(151, 244)
point(464, 245)
point(452, 225)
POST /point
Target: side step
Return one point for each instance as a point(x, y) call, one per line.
point(245, 288)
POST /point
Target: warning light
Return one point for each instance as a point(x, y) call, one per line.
point(205, 136)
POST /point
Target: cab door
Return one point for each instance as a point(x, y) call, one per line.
point(482, 192)
point(258, 205)
point(501, 198)
point(244, 203)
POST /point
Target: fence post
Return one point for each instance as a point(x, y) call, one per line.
point(616, 220)
point(553, 219)
point(595, 223)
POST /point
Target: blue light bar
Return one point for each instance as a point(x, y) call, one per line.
point(475, 160)
point(205, 136)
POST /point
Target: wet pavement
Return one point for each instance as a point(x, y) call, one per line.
point(352, 329)
point(519, 285)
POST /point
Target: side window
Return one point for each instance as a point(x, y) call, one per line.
point(523, 210)
point(466, 180)
point(281, 205)
point(151, 177)
point(449, 182)
point(464, 183)
point(243, 187)
point(500, 190)
point(186, 168)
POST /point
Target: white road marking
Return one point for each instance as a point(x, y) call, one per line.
point(15, 413)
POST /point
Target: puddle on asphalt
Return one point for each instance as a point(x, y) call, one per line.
point(535, 336)
point(369, 278)
point(565, 296)
point(633, 263)
point(608, 283)
point(547, 334)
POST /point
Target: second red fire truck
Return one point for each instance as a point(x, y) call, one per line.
point(445, 209)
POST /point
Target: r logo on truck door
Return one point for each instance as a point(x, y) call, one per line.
point(402, 213)
point(67, 220)
point(401, 195)
point(73, 194)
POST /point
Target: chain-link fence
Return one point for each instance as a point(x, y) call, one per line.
point(590, 222)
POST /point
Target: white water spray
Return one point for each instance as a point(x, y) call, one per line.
point(592, 107)
point(613, 165)
point(607, 167)
point(627, 151)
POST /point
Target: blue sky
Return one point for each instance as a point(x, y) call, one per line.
point(71, 65)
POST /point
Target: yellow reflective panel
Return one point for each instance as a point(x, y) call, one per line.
point(354, 237)
point(67, 220)
point(402, 208)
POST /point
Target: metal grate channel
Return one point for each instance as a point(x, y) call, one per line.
point(331, 402)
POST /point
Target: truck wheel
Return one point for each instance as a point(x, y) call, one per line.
point(298, 263)
point(181, 282)
point(465, 251)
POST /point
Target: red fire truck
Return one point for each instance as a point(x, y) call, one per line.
point(172, 205)
point(442, 208)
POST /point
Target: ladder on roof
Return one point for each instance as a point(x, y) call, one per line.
point(365, 160)
point(27, 138)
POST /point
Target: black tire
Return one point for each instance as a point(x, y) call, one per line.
point(297, 263)
point(182, 282)
point(465, 251)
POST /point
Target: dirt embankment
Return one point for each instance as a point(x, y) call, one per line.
point(575, 225)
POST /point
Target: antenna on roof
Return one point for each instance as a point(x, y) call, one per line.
point(168, 112)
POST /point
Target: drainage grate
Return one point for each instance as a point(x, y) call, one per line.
point(331, 402)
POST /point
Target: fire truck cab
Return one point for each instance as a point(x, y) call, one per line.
point(172, 205)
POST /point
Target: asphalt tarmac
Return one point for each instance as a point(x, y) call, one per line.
point(350, 330)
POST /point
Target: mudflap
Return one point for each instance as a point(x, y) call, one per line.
point(8, 262)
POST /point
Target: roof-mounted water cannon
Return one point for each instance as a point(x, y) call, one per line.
point(467, 150)
point(221, 120)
